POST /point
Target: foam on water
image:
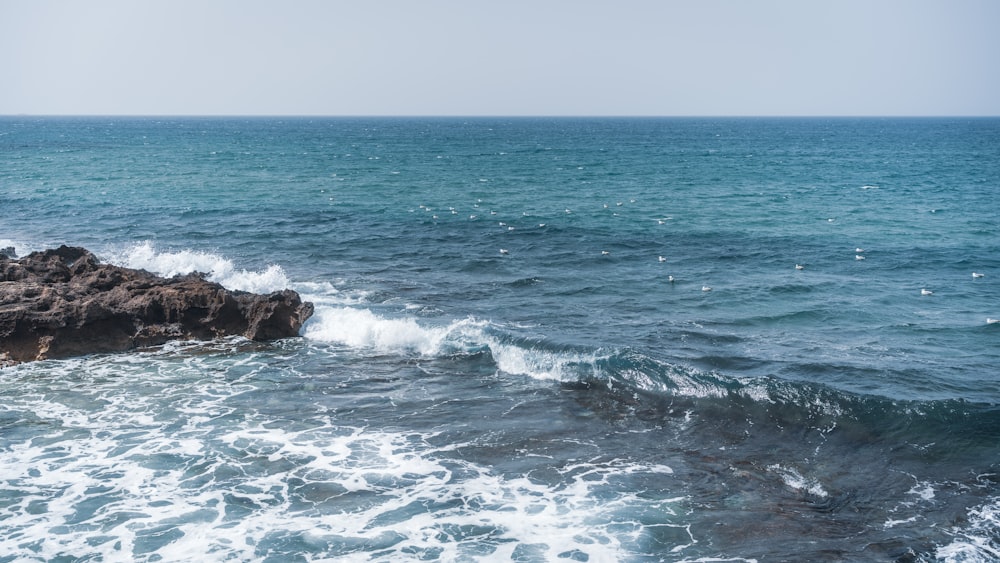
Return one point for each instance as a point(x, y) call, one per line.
point(795, 480)
point(218, 269)
point(364, 329)
point(361, 328)
point(979, 540)
point(172, 470)
point(21, 246)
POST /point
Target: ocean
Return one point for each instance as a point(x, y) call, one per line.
point(566, 339)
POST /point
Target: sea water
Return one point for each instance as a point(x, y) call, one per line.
point(535, 339)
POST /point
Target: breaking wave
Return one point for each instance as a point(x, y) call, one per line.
point(145, 256)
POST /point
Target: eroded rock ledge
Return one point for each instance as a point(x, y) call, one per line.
point(64, 302)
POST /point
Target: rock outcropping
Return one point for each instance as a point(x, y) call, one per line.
point(64, 302)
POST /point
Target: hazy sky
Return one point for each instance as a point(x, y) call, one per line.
point(493, 57)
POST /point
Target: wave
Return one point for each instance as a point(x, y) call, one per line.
point(362, 329)
point(21, 246)
point(218, 269)
point(345, 319)
point(628, 384)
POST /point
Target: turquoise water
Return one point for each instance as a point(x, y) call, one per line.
point(516, 354)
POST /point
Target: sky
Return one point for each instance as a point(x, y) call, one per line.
point(500, 58)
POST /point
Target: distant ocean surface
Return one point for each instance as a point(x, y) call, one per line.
point(534, 340)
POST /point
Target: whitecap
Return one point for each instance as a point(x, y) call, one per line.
point(363, 329)
point(221, 270)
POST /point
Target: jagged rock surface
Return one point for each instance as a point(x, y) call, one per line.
point(64, 302)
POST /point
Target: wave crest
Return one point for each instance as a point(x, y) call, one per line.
point(221, 270)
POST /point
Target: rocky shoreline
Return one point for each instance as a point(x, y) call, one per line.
point(63, 302)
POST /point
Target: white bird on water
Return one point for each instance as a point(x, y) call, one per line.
point(662, 259)
point(977, 275)
point(800, 267)
point(858, 257)
point(605, 253)
point(504, 251)
point(670, 279)
point(990, 321)
point(706, 288)
point(926, 292)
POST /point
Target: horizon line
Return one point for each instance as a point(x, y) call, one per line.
point(500, 116)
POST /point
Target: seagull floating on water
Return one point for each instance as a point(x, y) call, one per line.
point(800, 267)
point(858, 257)
point(990, 321)
point(859, 250)
point(662, 259)
point(504, 251)
point(926, 292)
point(706, 288)
point(670, 279)
point(977, 275)
point(605, 253)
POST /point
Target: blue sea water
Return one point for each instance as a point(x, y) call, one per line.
point(534, 340)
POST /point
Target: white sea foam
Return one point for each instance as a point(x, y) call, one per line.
point(361, 329)
point(923, 490)
point(977, 541)
point(538, 363)
point(21, 247)
point(218, 269)
point(173, 470)
point(795, 480)
point(8, 243)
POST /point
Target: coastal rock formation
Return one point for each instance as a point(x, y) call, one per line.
point(64, 302)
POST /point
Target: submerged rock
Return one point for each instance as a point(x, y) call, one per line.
point(64, 302)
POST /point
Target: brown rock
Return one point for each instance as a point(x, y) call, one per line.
point(64, 302)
